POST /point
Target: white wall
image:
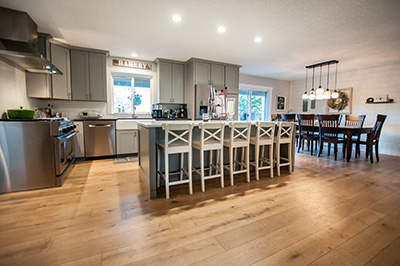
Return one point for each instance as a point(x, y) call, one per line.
point(279, 87)
point(12, 88)
point(365, 83)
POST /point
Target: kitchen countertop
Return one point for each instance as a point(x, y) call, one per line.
point(194, 123)
point(95, 119)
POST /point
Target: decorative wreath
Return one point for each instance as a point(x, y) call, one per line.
point(340, 103)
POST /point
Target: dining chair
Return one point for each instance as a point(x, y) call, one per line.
point(283, 137)
point(279, 117)
point(307, 132)
point(291, 118)
point(211, 139)
point(263, 140)
point(239, 137)
point(373, 138)
point(355, 121)
point(177, 140)
point(328, 133)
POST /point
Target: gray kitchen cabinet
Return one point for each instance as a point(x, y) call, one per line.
point(232, 79)
point(210, 73)
point(127, 141)
point(203, 72)
point(52, 86)
point(171, 82)
point(88, 76)
point(61, 84)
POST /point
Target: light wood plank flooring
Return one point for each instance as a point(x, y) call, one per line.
point(326, 213)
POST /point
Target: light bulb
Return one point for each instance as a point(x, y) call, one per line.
point(327, 94)
point(320, 91)
point(305, 96)
point(335, 94)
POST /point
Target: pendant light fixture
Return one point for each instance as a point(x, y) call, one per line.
point(327, 93)
point(312, 92)
point(320, 93)
point(305, 95)
point(335, 94)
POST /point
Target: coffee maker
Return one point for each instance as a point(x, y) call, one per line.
point(154, 112)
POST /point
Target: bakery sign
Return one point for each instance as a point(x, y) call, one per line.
point(132, 64)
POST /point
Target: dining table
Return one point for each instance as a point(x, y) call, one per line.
point(349, 132)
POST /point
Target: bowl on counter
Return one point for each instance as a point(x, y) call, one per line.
point(20, 113)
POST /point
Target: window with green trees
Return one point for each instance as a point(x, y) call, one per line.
point(253, 105)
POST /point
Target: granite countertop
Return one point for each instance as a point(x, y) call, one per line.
point(95, 119)
point(194, 123)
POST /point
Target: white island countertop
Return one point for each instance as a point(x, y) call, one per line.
point(171, 122)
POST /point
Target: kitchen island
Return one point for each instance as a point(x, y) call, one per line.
point(151, 132)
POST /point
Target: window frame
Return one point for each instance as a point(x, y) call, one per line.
point(251, 88)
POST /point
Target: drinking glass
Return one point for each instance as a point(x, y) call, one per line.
point(230, 108)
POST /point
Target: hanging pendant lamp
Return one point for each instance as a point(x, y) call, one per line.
point(327, 93)
point(305, 95)
point(312, 92)
point(320, 91)
point(335, 93)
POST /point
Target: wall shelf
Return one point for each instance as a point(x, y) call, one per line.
point(391, 101)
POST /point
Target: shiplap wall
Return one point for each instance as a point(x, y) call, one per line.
point(366, 83)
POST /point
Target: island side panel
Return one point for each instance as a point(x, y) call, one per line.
point(147, 158)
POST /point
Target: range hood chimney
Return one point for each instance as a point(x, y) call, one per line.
point(18, 43)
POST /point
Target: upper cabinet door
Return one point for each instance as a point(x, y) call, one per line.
point(178, 83)
point(80, 75)
point(202, 73)
point(97, 74)
point(60, 57)
point(218, 75)
point(165, 82)
point(232, 79)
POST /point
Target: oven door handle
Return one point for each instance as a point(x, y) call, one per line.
point(67, 136)
point(103, 125)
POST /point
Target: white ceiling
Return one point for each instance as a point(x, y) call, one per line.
point(295, 33)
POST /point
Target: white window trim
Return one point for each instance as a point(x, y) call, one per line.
point(133, 73)
point(259, 88)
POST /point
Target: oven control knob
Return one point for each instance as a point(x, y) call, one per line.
point(65, 130)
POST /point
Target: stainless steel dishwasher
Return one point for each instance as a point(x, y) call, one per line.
point(99, 138)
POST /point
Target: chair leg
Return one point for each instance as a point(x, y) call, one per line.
point(241, 159)
point(299, 144)
point(329, 149)
point(181, 166)
point(221, 165)
point(321, 143)
point(371, 156)
point(290, 156)
point(278, 159)
point(262, 156)
point(190, 172)
point(166, 175)
point(335, 149)
point(231, 164)
point(312, 146)
point(271, 159)
point(257, 160)
point(202, 171)
point(210, 162)
point(234, 157)
point(376, 152)
point(247, 163)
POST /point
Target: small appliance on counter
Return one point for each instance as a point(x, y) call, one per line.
point(90, 114)
point(209, 99)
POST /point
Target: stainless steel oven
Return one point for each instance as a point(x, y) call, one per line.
point(64, 153)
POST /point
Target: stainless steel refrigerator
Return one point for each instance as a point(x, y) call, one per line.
point(203, 93)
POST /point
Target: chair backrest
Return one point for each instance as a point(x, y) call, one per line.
point(265, 132)
point(306, 124)
point(328, 126)
point(240, 131)
point(376, 130)
point(212, 133)
point(354, 120)
point(279, 117)
point(177, 134)
point(288, 117)
point(284, 132)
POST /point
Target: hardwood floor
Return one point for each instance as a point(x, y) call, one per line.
point(325, 213)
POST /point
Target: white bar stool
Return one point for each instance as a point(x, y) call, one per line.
point(178, 140)
point(211, 139)
point(264, 138)
point(239, 138)
point(284, 135)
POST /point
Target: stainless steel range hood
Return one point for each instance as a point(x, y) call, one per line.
point(18, 43)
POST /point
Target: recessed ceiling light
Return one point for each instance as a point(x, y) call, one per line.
point(221, 29)
point(176, 18)
point(257, 39)
point(134, 55)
